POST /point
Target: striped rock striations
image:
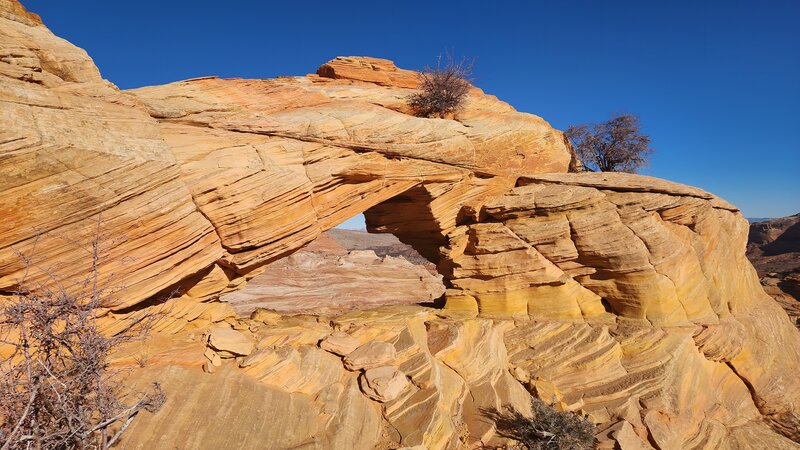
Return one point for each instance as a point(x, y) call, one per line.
point(324, 278)
point(627, 297)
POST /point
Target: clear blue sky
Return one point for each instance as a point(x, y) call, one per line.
point(716, 83)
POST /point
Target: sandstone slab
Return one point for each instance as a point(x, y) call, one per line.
point(339, 343)
point(324, 277)
point(383, 384)
point(370, 355)
point(230, 341)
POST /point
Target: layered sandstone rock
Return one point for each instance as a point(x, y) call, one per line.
point(655, 388)
point(383, 244)
point(303, 154)
point(383, 384)
point(576, 245)
point(369, 356)
point(74, 151)
point(641, 252)
point(627, 297)
point(339, 343)
point(324, 277)
point(234, 173)
point(373, 70)
point(229, 341)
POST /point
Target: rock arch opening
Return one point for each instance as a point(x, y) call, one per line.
point(349, 269)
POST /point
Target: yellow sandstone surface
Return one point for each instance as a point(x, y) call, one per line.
point(645, 387)
point(626, 297)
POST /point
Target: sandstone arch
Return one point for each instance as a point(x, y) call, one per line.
point(201, 182)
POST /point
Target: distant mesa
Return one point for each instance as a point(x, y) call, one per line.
point(774, 249)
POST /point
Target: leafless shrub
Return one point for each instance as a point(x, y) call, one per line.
point(612, 146)
point(443, 88)
point(58, 391)
point(548, 429)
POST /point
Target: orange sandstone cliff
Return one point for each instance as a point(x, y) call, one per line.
point(626, 297)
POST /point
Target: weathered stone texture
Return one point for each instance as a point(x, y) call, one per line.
point(625, 296)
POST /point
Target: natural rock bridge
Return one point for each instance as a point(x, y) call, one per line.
point(628, 296)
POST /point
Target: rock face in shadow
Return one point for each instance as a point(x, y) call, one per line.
point(773, 237)
point(773, 247)
point(628, 297)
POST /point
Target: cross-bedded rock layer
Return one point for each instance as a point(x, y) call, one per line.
point(627, 296)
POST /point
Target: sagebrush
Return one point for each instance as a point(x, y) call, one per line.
point(547, 429)
point(443, 89)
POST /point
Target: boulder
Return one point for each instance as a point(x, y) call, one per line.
point(339, 343)
point(265, 316)
point(627, 439)
point(208, 367)
point(373, 70)
point(370, 355)
point(213, 357)
point(383, 384)
point(230, 341)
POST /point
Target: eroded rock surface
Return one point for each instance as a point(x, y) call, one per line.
point(646, 387)
point(74, 150)
point(382, 244)
point(339, 343)
point(324, 277)
point(625, 296)
point(383, 384)
point(369, 356)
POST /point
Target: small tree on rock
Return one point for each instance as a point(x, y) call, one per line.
point(612, 146)
point(443, 88)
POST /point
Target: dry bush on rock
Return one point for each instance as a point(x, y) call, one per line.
point(612, 146)
point(57, 389)
point(548, 429)
point(443, 88)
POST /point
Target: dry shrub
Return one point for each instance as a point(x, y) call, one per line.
point(57, 389)
point(548, 429)
point(615, 145)
point(443, 88)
